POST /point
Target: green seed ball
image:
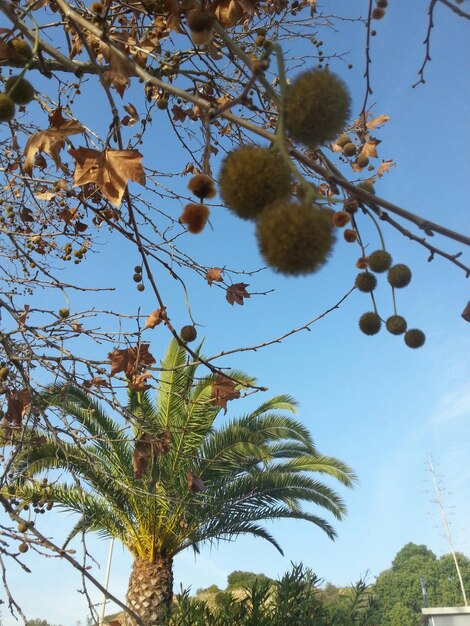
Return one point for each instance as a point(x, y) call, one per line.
point(362, 161)
point(22, 527)
point(137, 278)
point(343, 140)
point(138, 269)
point(399, 276)
point(366, 282)
point(294, 238)
point(7, 108)
point(396, 324)
point(23, 547)
point(141, 287)
point(252, 178)
point(349, 150)
point(366, 185)
point(22, 47)
point(20, 91)
point(379, 261)
point(370, 323)
point(415, 338)
point(316, 107)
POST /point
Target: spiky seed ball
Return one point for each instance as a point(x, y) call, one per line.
point(22, 527)
point(7, 108)
point(396, 324)
point(188, 333)
point(64, 313)
point(415, 338)
point(162, 104)
point(351, 205)
point(20, 91)
point(361, 263)
point(316, 107)
point(23, 547)
point(252, 178)
point(202, 186)
point(349, 150)
point(137, 278)
point(341, 218)
point(370, 323)
point(379, 261)
point(295, 239)
point(140, 287)
point(138, 269)
point(366, 185)
point(399, 276)
point(22, 48)
point(350, 235)
point(378, 13)
point(366, 282)
point(97, 7)
point(343, 140)
point(195, 217)
point(201, 24)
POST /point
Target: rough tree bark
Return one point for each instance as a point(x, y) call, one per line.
point(150, 591)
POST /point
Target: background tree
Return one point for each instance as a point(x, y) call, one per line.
point(185, 482)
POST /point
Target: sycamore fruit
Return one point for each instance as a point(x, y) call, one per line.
point(367, 185)
point(370, 323)
point(19, 90)
point(23, 547)
point(294, 238)
point(64, 313)
point(349, 150)
point(415, 338)
point(251, 178)
point(379, 261)
point(396, 324)
point(366, 282)
point(399, 276)
point(7, 108)
point(22, 47)
point(202, 186)
point(188, 333)
point(316, 107)
point(341, 218)
point(343, 140)
point(195, 217)
point(201, 26)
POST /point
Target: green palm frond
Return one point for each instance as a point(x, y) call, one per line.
point(261, 466)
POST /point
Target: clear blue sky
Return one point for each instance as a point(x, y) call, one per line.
point(370, 401)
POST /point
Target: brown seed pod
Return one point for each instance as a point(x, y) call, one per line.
point(195, 217)
point(366, 282)
point(370, 323)
point(343, 140)
point(350, 235)
point(361, 263)
point(341, 218)
point(415, 338)
point(396, 324)
point(22, 48)
point(201, 25)
point(399, 276)
point(378, 13)
point(97, 7)
point(316, 107)
point(379, 261)
point(188, 333)
point(362, 161)
point(64, 313)
point(349, 149)
point(202, 186)
point(23, 547)
point(351, 205)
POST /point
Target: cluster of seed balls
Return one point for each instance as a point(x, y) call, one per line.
point(41, 501)
point(294, 237)
point(17, 89)
point(398, 276)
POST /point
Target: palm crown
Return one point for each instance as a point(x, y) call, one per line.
point(178, 481)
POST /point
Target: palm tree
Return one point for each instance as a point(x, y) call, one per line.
point(178, 482)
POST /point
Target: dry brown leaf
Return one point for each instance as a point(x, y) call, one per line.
point(369, 149)
point(130, 360)
point(142, 452)
point(377, 121)
point(223, 390)
point(17, 405)
point(179, 114)
point(384, 167)
point(78, 328)
point(161, 443)
point(236, 293)
point(195, 484)
point(156, 318)
point(51, 142)
point(23, 316)
point(109, 170)
point(138, 382)
point(132, 117)
point(96, 381)
point(214, 274)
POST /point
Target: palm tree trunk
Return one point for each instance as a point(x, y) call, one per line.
point(150, 591)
